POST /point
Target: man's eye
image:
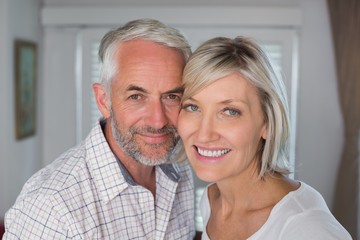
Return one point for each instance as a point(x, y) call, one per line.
point(135, 97)
point(173, 97)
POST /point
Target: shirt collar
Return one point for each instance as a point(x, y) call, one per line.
point(170, 171)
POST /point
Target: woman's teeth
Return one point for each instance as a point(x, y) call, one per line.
point(209, 153)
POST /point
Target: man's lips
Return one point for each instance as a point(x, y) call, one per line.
point(154, 138)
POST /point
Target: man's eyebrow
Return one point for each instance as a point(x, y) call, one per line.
point(175, 90)
point(140, 89)
point(136, 88)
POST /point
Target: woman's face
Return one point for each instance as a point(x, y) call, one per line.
point(221, 127)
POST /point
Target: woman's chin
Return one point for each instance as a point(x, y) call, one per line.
point(206, 175)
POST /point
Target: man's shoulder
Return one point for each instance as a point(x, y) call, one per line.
point(52, 186)
point(70, 169)
point(63, 173)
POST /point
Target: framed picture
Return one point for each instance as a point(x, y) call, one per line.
point(25, 88)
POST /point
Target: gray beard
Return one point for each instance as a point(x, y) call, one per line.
point(127, 142)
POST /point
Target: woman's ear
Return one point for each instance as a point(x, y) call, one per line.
point(264, 132)
point(101, 99)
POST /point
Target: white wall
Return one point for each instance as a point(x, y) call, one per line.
point(3, 105)
point(59, 114)
point(19, 159)
point(320, 125)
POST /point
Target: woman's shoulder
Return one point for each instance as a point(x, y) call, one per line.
point(307, 198)
point(308, 216)
point(314, 224)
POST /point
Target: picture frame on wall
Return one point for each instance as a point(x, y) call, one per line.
point(25, 88)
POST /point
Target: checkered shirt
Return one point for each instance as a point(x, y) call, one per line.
point(87, 194)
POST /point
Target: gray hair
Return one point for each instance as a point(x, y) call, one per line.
point(220, 57)
point(146, 29)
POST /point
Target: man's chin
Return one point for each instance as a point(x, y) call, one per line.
point(152, 161)
point(154, 158)
point(153, 154)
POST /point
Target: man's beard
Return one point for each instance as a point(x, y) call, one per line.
point(145, 153)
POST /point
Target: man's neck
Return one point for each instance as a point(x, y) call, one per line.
point(141, 174)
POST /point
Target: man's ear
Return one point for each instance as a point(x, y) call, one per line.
point(101, 99)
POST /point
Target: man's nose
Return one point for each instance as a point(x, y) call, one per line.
point(156, 115)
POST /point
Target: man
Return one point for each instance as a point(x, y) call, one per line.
point(119, 183)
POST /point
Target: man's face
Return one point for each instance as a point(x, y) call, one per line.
point(145, 100)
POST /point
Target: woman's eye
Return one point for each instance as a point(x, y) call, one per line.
point(232, 112)
point(190, 107)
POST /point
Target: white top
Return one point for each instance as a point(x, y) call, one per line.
point(301, 215)
point(87, 194)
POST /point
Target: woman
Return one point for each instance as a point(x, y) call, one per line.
point(235, 128)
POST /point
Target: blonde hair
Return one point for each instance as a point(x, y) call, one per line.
point(220, 57)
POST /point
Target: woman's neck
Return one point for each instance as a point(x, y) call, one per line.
point(249, 193)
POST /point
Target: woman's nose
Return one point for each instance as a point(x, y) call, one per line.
point(207, 129)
